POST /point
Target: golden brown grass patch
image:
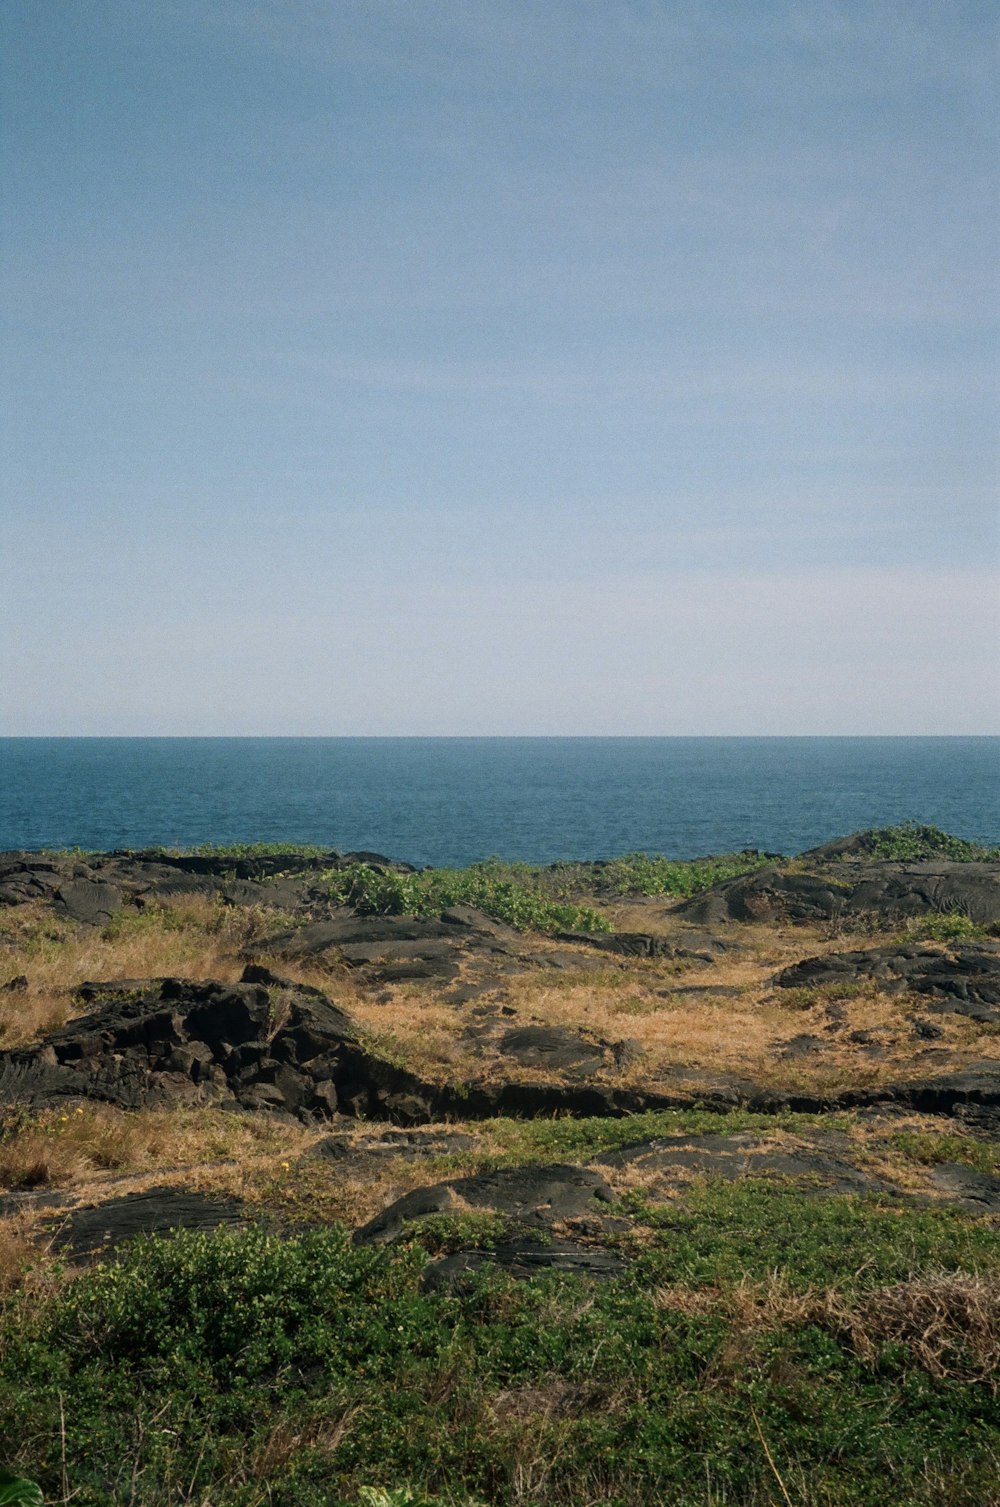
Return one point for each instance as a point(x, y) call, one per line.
point(61, 1147)
point(194, 936)
point(289, 1437)
point(18, 1253)
point(683, 1031)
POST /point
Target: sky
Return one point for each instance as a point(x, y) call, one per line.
point(458, 367)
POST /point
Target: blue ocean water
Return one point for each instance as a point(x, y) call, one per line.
point(453, 800)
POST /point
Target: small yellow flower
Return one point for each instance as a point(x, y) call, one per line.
point(286, 1165)
point(63, 1119)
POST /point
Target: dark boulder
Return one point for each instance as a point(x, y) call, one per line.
point(964, 979)
point(553, 1048)
point(392, 949)
point(846, 889)
point(27, 876)
point(260, 1044)
point(523, 1259)
point(90, 1233)
point(639, 944)
point(533, 1196)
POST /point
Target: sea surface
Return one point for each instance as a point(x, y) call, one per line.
point(454, 800)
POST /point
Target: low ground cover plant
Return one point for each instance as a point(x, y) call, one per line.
point(916, 841)
point(504, 891)
point(527, 896)
point(857, 1342)
point(655, 874)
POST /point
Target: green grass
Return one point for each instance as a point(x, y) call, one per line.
point(512, 1141)
point(947, 926)
point(931, 1148)
point(757, 1228)
point(242, 1368)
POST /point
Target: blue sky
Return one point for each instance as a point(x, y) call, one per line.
point(486, 366)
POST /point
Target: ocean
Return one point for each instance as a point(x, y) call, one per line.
point(448, 801)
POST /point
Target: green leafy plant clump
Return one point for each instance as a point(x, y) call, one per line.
point(17, 1491)
point(260, 850)
point(946, 926)
point(527, 896)
point(915, 842)
point(504, 891)
point(654, 874)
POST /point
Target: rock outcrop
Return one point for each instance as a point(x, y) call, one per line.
point(962, 979)
point(533, 1197)
point(845, 890)
point(395, 949)
point(260, 1044)
point(89, 889)
point(822, 1166)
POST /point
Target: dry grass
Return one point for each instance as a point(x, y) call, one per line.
point(68, 1147)
point(289, 1437)
point(683, 1032)
point(947, 1322)
point(194, 937)
point(18, 1253)
point(684, 1037)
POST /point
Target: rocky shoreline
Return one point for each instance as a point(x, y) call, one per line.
point(264, 1041)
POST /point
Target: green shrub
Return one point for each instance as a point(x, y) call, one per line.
point(915, 842)
point(653, 874)
point(528, 897)
point(15, 1491)
point(502, 891)
point(947, 926)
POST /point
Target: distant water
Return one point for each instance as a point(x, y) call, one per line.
point(453, 800)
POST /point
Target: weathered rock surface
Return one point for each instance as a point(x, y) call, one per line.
point(979, 1192)
point(89, 1233)
point(557, 1049)
point(963, 979)
point(845, 889)
point(287, 880)
point(822, 1166)
point(259, 1044)
point(87, 900)
point(551, 1047)
point(535, 1197)
point(393, 949)
point(640, 944)
point(382, 1145)
point(523, 1258)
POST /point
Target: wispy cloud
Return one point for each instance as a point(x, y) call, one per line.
point(516, 352)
